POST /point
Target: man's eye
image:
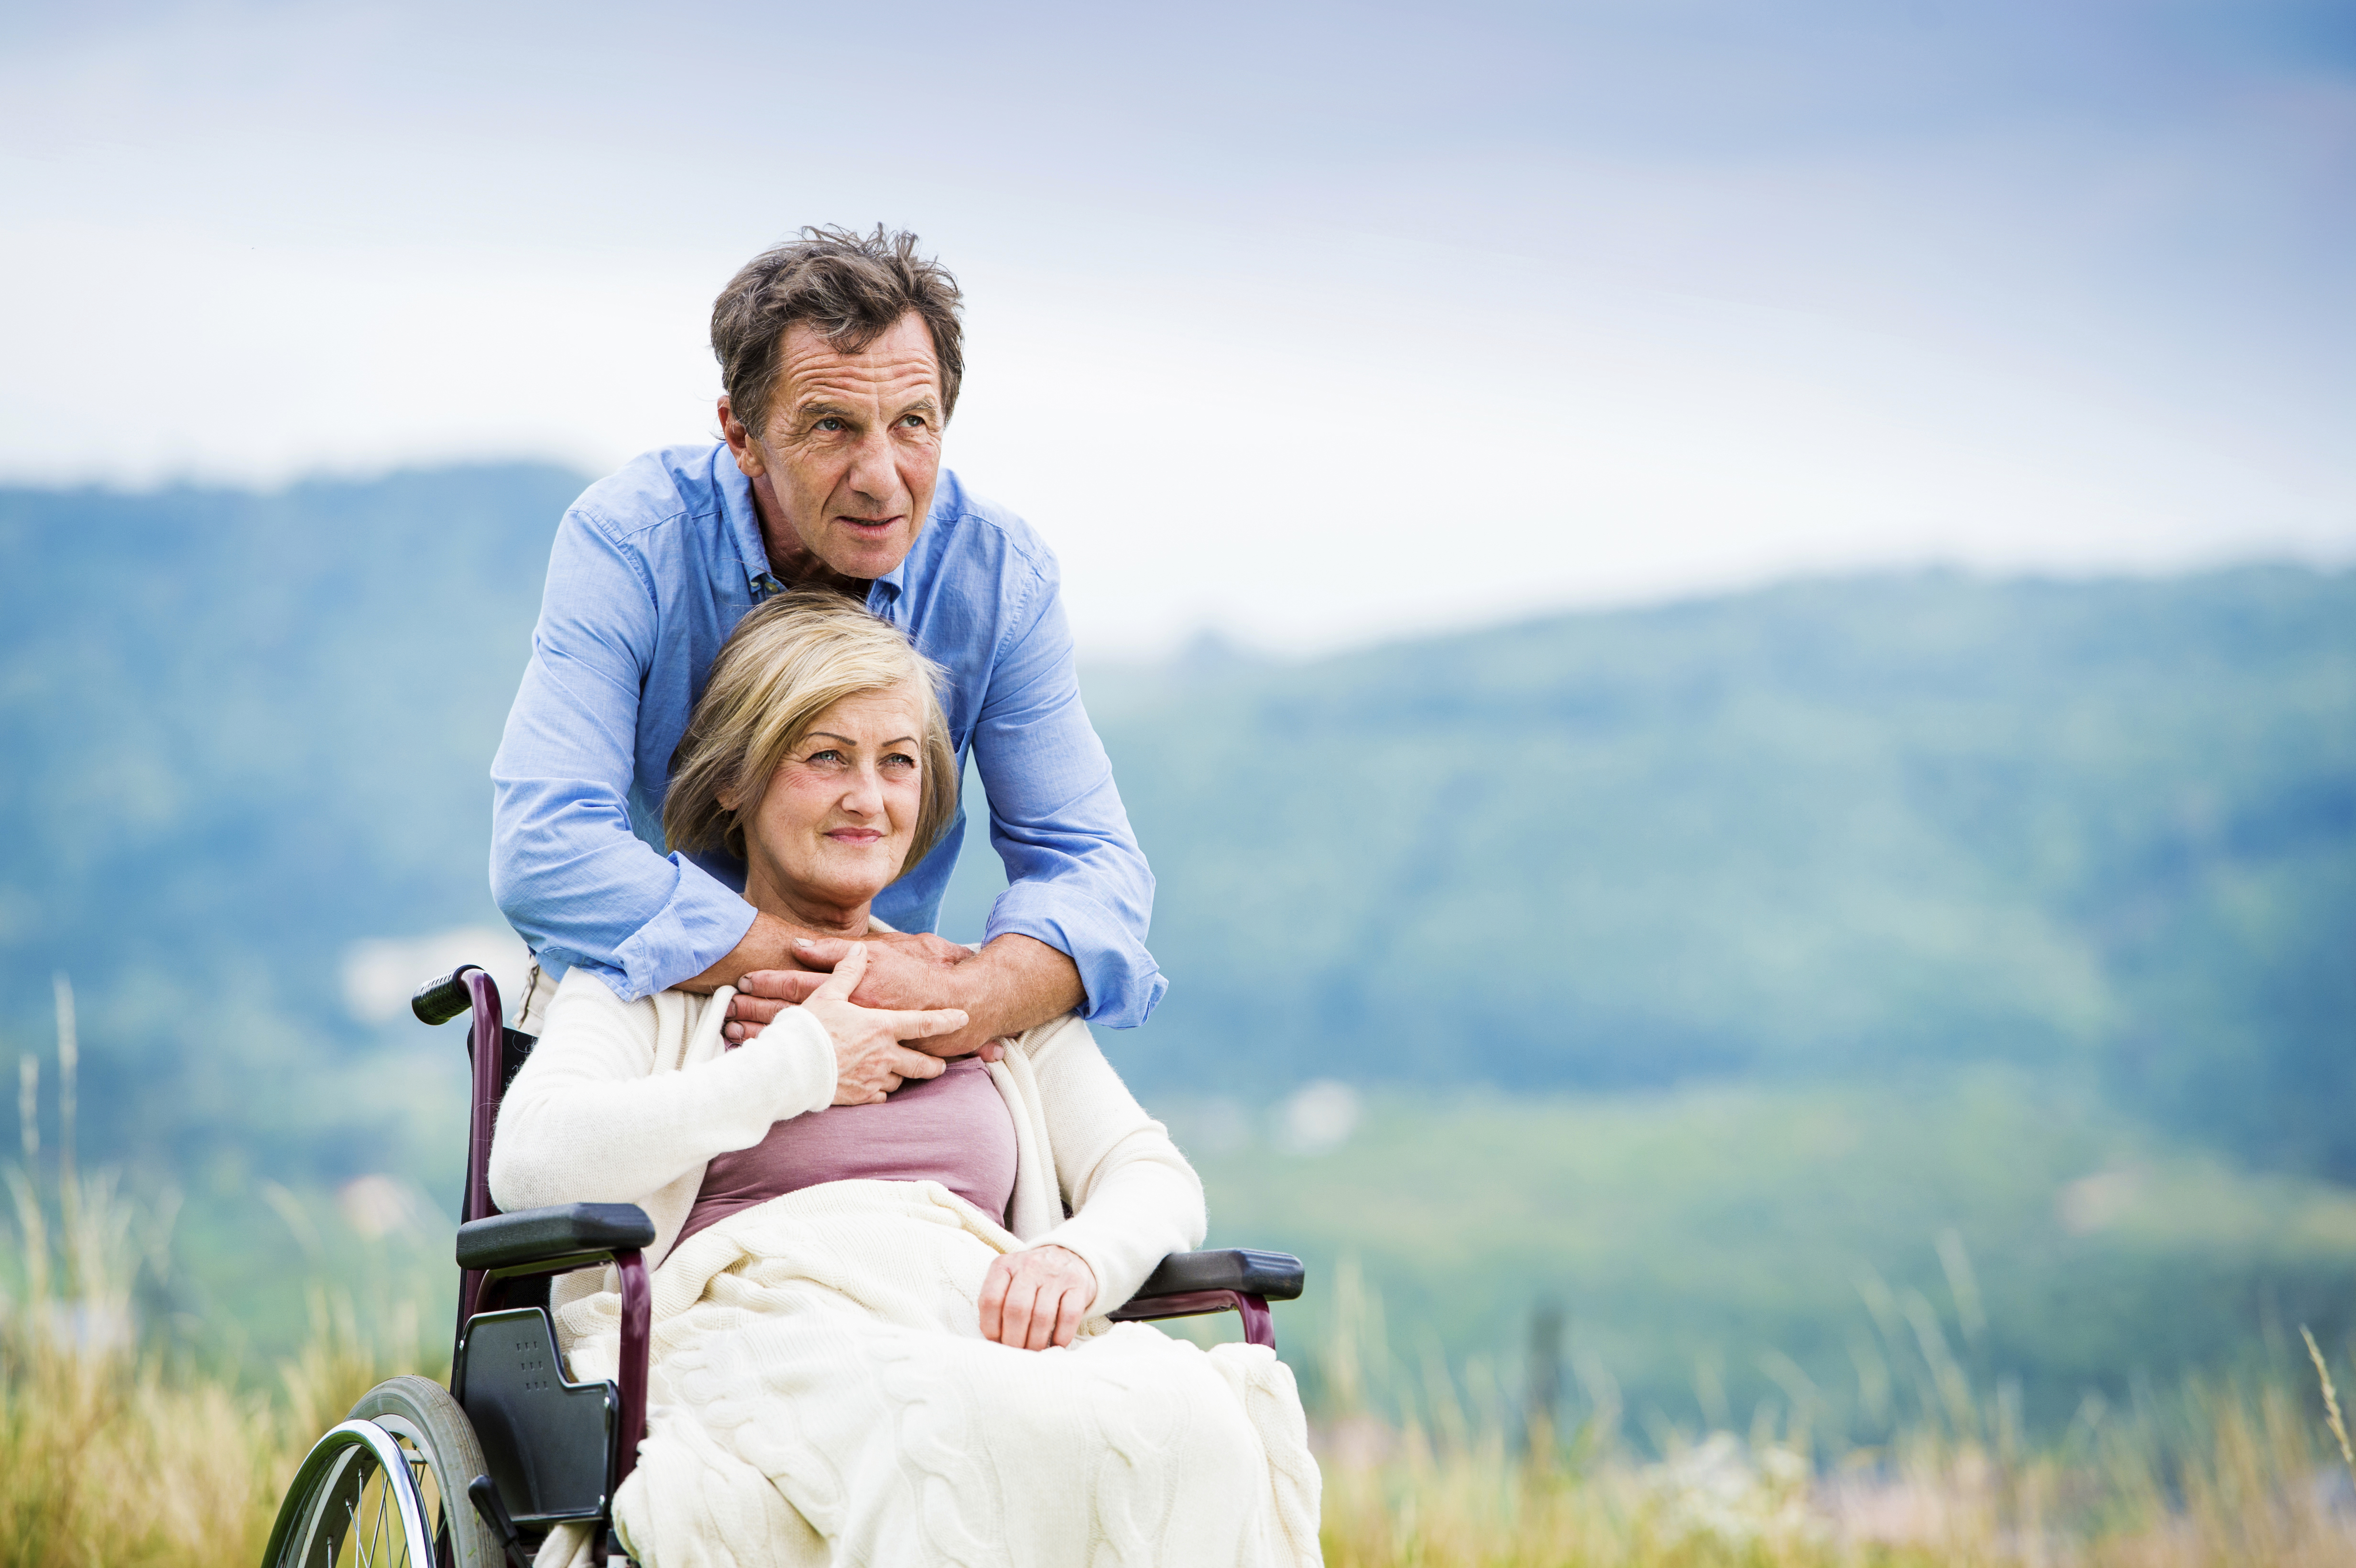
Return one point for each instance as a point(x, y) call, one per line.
point(829, 423)
point(915, 422)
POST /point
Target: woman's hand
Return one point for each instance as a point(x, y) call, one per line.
point(763, 993)
point(1033, 1299)
point(868, 1060)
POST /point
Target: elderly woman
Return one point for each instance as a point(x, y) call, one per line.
point(880, 1283)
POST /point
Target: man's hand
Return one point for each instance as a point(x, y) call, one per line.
point(1033, 1299)
point(868, 1060)
point(903, 971)
point(1013, 984)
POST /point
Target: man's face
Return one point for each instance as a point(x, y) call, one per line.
point(846, 467)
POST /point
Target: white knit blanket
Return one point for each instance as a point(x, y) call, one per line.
point(821, 1394)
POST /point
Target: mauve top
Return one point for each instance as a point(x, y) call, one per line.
point(953, 1129)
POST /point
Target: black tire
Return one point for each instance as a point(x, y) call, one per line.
point(346, 1507)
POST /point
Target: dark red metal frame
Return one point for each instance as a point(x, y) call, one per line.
point(480, 1291)
point(1260, 1328)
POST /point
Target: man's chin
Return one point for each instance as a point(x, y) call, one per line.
point(860, 555)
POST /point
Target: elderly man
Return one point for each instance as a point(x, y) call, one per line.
point(840, 355)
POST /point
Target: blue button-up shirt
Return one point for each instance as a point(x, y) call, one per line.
point(652, 568)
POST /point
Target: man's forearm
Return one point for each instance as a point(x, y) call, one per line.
point(1014, 984)
point(767, 944)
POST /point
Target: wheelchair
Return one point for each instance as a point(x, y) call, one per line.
point(477, 1473)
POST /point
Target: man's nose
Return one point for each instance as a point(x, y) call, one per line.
point(874, 476)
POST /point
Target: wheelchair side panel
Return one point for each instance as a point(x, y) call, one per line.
point(548, 1442)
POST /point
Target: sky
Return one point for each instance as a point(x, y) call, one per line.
point(1312, 326)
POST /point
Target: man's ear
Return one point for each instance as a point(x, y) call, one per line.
point(748, 452)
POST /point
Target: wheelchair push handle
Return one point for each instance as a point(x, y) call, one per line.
point(439, 1001)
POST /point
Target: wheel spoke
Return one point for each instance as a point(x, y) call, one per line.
point(376, 1527)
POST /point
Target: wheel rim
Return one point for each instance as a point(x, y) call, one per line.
point(433, 1505)
point(355, 1503)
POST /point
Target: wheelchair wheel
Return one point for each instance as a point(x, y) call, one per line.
point(388, 1487)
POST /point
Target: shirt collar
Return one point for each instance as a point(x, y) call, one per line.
point(744, 522)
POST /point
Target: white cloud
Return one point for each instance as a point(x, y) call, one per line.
point(382, 973)
point(1318, 1118)
point(377, 1205)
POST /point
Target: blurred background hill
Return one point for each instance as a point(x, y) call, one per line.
point(1728, 971)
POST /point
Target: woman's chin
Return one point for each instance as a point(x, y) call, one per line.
point(853, 883)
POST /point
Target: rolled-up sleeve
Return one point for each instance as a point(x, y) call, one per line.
point(566, 868)
point(1078, 881)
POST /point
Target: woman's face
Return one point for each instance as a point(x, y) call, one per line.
point(840, 812)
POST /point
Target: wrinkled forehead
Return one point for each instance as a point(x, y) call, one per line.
point(896, 365)
point(883, 713)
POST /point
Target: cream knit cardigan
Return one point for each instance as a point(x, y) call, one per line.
point(627, 1102)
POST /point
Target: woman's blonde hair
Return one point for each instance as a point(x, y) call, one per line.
point(792, 659)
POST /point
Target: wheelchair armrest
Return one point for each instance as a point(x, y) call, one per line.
point(1274, 1277)
point(563, 1235)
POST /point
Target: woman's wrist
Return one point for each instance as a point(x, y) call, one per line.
point(797, 1057)
point(1086, 1264)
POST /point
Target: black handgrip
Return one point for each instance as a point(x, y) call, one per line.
point(484, 1493)
point(439, 1001)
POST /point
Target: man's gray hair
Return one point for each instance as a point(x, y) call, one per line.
point(850, 287)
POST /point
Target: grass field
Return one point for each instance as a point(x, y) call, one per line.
point(1721, 1250)
point(110, 1455)
point(1965, 1322)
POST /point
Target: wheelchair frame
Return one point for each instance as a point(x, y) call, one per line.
point(552, 1450)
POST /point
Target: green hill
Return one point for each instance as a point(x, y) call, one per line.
point(2106, 829)
point(237, 733)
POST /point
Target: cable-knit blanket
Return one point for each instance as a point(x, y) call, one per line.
point(821, 1394)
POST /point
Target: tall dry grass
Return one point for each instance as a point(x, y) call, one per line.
point(2227, 1474)
point(114, 1454)
point(2250, 1497)
point(127, 1453)
point(107, 1457)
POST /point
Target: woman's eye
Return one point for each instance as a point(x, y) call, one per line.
point(829, 755)
point(899, 760)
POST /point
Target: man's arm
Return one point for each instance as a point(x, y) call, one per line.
point(1077, 883)
point(766, 947)
point(567, 870)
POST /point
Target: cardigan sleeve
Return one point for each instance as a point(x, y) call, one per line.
point(589, 1119)
point(1134, 1198)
